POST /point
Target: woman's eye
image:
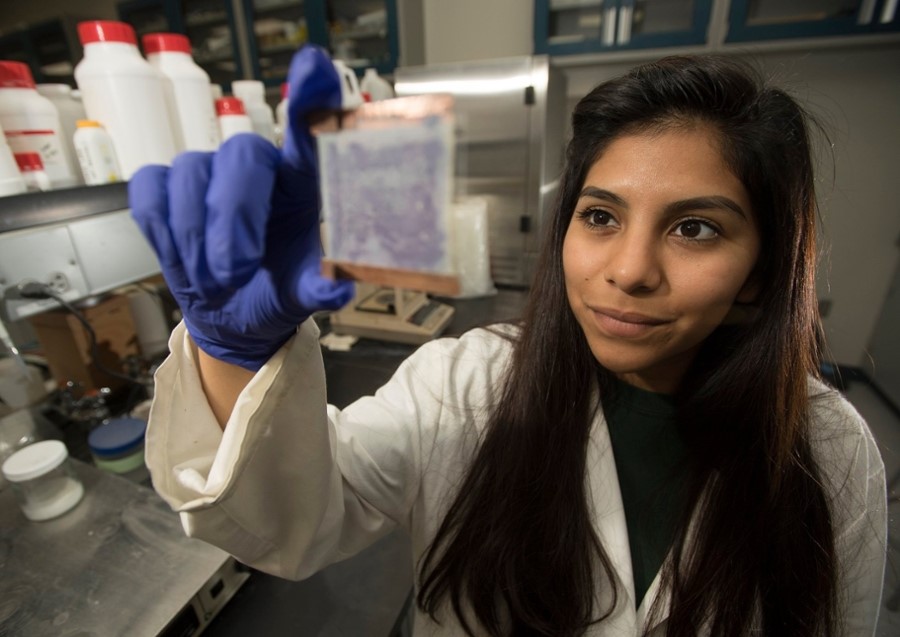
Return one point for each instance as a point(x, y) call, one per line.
point(696, 229)
point(598, 217)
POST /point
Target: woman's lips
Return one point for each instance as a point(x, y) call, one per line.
point(626, 324)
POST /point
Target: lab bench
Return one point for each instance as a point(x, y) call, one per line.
point(120, 557)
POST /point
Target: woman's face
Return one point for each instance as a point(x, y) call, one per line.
point(660, 246)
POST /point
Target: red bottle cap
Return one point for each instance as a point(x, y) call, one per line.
point(29, 162)
point(229, 106)
point(165, 42)
point(284, 90)
point(106, 31)
point(15, 75)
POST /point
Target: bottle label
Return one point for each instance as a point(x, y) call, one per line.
point(47, 144)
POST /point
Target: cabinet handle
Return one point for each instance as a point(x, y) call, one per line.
point(866, 12)
point(626, 13)
point(608, 37)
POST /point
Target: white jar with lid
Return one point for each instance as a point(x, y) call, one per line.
point(123, 92)
point(31, 123)
point(186, 88)
point(253, 94)
point(68, 105)
point(43, 480)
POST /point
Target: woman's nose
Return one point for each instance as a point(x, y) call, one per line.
point(634, 265)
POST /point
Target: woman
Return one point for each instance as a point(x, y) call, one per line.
point(649, 452)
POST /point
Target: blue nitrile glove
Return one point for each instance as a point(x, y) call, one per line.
point(237, 231)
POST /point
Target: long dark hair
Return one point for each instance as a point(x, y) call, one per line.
point(517, 552)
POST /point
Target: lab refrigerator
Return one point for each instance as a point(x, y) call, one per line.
point(510, 126)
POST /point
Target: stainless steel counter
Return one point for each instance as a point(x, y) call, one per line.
point(117, 564)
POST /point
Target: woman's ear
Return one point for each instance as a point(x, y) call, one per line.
point(743, 310)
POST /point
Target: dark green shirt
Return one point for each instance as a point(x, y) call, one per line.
point(650, 461)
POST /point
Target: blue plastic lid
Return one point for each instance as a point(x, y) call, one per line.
point(117, 436)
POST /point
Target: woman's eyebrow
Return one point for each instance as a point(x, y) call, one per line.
point(710, 202)
point(599, 193)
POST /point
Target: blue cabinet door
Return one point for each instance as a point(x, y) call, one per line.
point(564, 27)
point(758, 20)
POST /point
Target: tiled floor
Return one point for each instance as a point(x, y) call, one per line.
point(885, 426)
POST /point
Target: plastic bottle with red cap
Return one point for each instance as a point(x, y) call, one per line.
point(233, 119)
point(32, 169)
point(123, 92)
point(31, 123)
point(186, 87)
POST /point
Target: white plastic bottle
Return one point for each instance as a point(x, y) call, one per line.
point(11, 182)
point(32, 169)
point(186, 88)
point(253, 94)
point(351, 96)
point(375, 86)
point(232, 118)
point(96, 154)
point(32, 124)
point(122, 91)
point(68, 105)
point(281, 116)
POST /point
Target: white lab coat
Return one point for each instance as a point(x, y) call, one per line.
point(292, 485)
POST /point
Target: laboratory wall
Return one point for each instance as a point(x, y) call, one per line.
point(854, 91)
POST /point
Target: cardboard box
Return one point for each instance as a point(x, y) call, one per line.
point(67, 348)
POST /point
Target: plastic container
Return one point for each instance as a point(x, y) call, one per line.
point(232, 117)
point(281, 116)
point(375, 86)
point(70, 109)
point(122, 91)
point(186, 87)
point(118, 447)
point(96, 154)
point(32, 169)
point(43, 480)
point(32, 124)
point(253, 94)
point(351, 96)
point(11, 181)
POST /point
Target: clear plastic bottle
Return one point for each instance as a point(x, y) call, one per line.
point(375, 86)
point(122, 91)
point(11, 181)
point(32, 169)
point(96, 154)
point(232, 118)
point(68, 105)
point(187, 91)
point(31, 123)
point(253, 94)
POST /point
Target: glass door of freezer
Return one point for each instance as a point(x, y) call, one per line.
point(278, 29)
point(209, 25)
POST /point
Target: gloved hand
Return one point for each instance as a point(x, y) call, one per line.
point(237, 231)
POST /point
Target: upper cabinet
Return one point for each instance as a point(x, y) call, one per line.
point(568, 27)
point(208, 24)
point(363, 33)
point(588, 26)
point(50, 48)
point(754, 20)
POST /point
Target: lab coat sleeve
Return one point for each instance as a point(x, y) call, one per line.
point(854, 471)
point(293, 485)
